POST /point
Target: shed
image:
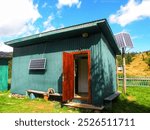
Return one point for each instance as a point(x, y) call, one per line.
point(4, 58)
point(78, 62)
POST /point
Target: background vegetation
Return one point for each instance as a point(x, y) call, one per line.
point(137, 64)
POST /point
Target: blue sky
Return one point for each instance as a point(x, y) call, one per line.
point(19, 18)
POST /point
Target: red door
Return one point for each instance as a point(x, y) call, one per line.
point(68, 77)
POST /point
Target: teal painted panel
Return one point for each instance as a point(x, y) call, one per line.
point(97, 82)
point(109, 66)
point(38, 80)
point(103, 71)
point(23, 79)
point(3, 74)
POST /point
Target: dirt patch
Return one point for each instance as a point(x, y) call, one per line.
point(41, 106)
point(131, 98)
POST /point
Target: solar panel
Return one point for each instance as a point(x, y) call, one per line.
point(37, 64)
point(123, 40)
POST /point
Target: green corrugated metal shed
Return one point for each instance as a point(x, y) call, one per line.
point(4, 71)
point(51, 45)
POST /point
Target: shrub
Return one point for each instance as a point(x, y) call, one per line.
point(148, 62)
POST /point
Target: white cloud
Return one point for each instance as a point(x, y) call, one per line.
point(62, 26)
point(134, 10)
point(44, 5)
point(68, 3)
point(134, 37)
point(48, 24)
point(17, 16)
point(5, 48)
point(137, 37)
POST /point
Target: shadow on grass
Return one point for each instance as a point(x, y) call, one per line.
point(123, 105)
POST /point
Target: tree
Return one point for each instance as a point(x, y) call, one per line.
point(119, 59)
point(148, 62)
point(10, 68)
point(128, 58)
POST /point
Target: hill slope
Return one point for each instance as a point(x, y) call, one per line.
point(138, 67)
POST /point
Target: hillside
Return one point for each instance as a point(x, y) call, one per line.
point(138, 66)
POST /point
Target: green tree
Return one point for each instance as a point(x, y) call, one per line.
point(119, 59)
point(148, 62)
point(128, 58)
point(10, 68)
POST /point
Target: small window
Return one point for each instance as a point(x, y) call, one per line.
point(37, 64)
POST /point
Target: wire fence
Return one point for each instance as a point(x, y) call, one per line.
point(135, 81)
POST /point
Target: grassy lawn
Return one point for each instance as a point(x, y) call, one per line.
point(137, 100)
point(25, 105)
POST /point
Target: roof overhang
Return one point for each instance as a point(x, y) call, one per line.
point(5, 55)
point(72, 31)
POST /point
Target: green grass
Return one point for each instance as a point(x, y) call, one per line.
point(137, 100)
point(10, 104)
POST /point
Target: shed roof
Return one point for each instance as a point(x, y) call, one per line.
point(5, 54)
point(76, 30)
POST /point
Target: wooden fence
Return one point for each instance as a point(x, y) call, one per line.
point(135, 81)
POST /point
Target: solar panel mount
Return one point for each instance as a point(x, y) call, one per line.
point(123, 40)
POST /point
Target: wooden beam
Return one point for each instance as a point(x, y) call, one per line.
point(112, 97)
point(124, 70)
point(81, 105)
point(36, 91)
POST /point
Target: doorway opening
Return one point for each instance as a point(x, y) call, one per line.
point(76, 76)
point(81, 76)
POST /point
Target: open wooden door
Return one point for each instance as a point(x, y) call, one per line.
point(68, 77)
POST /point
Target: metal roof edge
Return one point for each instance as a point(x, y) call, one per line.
point(112, 38)
point(54, 32)
point(102, 23)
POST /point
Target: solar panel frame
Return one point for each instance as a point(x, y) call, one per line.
point(124, 40)
point(37, 64)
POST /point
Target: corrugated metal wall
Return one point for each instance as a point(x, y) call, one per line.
point(3, 74)
point(103, 70)
point(109, 69)
point(23, 79)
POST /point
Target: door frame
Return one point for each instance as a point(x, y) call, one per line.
point(88, 52)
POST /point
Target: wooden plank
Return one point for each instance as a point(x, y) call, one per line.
point(81, 97)
point(38, 92)
point(87, 106)
point(113, 96)
point(135, 79)
point(55, 94)
point(44, 93)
